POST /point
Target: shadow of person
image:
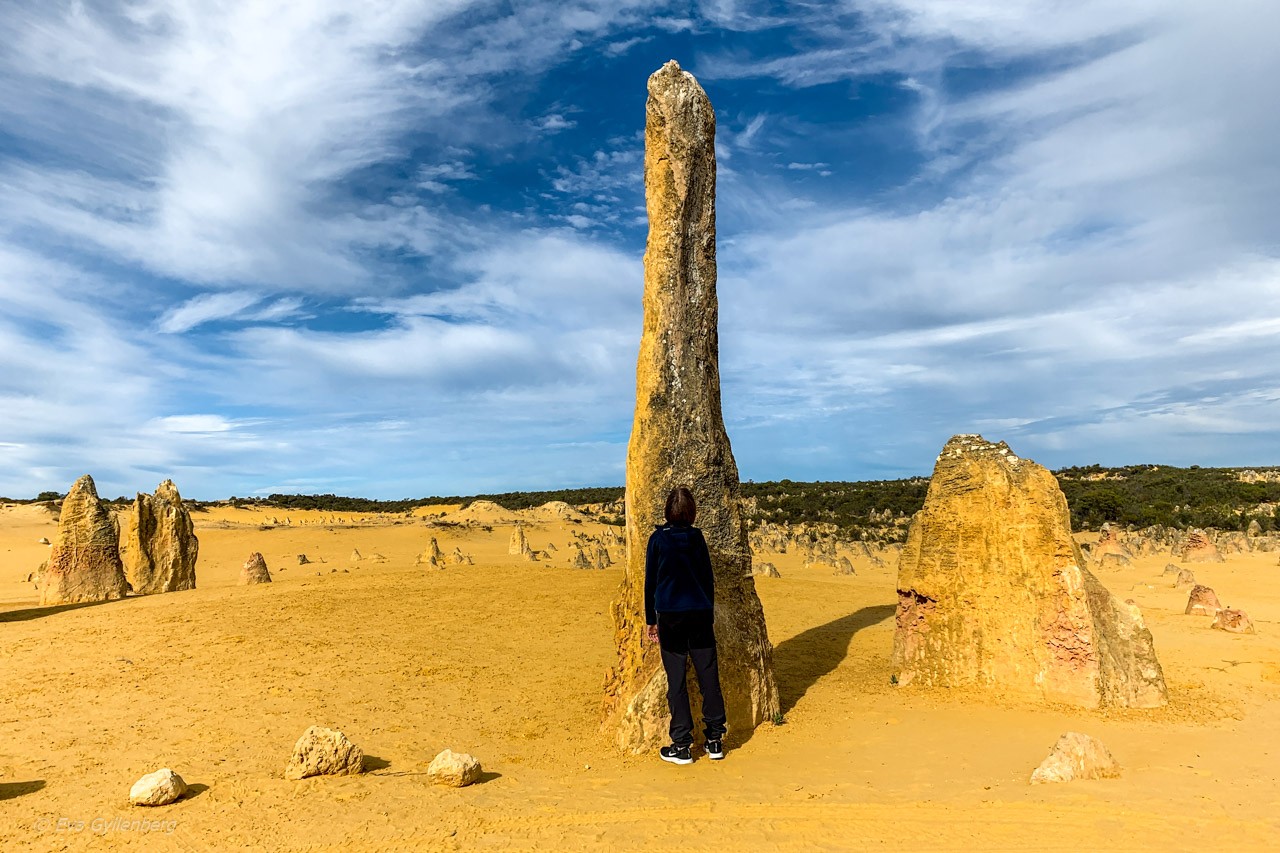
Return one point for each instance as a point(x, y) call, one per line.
point(9, 790)
point(799, 662)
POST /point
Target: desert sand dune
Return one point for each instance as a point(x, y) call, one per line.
point(505, 660)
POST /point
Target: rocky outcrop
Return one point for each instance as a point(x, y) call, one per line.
point(324, 752)
point(678, 436)
point(160, 547)
point(1198, 548)
point(1109, 551)
point(519, 545)
point(454, 769)
point(84, 562)
point(158, 789)
point(1076, 756)
point(1233, 621)
point(1202, 601)
point(433, 556)
point(254, 570)
point(765, 570)
point(993, 592)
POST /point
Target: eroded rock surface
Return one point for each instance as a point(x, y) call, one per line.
point(160, 546)
point(254, 570)
point(1233, 621)
point(158, 789)
point(1076, 756)
point(324, 752)
point(454, 769)
point(993, 592)
point(1199, 548)
point(678, 436)
point(1202, 601)
point(84, 562)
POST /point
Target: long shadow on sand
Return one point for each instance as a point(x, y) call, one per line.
point(9, 790)
point(40, 612)
point(799, 662)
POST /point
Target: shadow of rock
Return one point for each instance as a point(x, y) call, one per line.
point(194, 789)
point(799, 662)
point(487, 776)
point(373, 762)
point(49, 610)
point(9, 790)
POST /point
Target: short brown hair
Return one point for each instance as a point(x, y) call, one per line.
point(680, 506)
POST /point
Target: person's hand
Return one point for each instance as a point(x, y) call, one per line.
point(653, 633)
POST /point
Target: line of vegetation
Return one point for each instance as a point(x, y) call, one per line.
point(1134, 495)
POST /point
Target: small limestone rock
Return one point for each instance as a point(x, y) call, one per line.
point(355, 555)
point(455, 769)
point(1113, 561)
point(1185, 577)
point(1203, 601)
point(157, 789)
point(844, 566)
point(1076, 756)
point(1233, 621)
point(765, 570)
point(43, 541)
point(303, 560)
point(324, 752)
point(254, 570)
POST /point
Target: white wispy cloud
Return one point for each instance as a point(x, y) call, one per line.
point(1104, 252)
point(1081, 258)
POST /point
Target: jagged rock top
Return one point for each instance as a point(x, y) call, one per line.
point(974, 445)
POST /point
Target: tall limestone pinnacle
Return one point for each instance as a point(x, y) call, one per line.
point(678, 436)
point(993, 592)
point(160, 546)
point(84, 562)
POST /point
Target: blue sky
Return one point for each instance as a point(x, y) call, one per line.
point(268, 247)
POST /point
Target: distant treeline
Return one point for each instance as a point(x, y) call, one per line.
point(1143, 495)
point(846, 505)
point(509, 500)
point(1137, 495)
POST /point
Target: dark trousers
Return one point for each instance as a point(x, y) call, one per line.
point(683, 636)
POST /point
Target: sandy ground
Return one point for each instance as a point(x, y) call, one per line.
point(505, 660)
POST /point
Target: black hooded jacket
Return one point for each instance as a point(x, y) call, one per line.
point(677, 572)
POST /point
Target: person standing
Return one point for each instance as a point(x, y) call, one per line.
point(679, 606)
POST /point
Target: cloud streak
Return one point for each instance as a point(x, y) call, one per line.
point(395, 254)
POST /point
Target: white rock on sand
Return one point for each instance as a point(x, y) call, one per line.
point(324, 752)
point(455, 769)
point(1076, 756)
point(157, 789)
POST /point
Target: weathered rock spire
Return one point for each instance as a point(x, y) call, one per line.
point(678, 436)
point(84, 563)
point(160, 547)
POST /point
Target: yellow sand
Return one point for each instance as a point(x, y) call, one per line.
point(505, 660)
